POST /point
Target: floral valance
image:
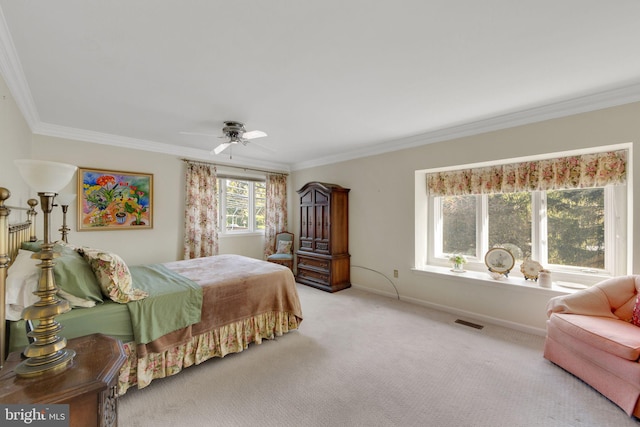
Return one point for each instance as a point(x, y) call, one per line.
point(584, 171)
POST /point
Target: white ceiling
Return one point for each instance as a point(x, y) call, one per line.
point(327, 80)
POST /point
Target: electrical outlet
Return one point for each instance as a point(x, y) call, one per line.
point(395, 273)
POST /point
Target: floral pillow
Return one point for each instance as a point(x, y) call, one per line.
point(635, 318)
point(284, 247)
point(113, 275)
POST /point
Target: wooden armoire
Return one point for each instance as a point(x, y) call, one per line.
point(323, 252)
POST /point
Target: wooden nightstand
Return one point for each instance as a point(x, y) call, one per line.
point(88, 386)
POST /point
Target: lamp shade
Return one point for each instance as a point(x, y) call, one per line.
point(44, 176)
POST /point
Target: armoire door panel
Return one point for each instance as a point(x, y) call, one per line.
point(321, 198)
point(306, 198)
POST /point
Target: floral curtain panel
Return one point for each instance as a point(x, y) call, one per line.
point(584, 171)
point(276, 210)
point(201, 211)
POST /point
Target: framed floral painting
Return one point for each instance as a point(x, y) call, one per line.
point(114, 200)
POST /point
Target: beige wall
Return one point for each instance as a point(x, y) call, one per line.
point(163, 242)
point(160, 244)
point(381, 204)
point(15, 140)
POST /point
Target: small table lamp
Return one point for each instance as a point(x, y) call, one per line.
point(47, 353)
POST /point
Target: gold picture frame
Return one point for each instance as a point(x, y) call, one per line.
point(114, 200)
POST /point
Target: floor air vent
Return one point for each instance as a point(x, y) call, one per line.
point(469, 324)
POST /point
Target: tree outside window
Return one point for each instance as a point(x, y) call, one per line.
point(459, 225)
point(576, 227)
point(574, 221)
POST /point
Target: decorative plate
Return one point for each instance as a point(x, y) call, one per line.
point(499, 260)
point(530, 269)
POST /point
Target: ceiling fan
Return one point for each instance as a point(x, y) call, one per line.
point(235, 132)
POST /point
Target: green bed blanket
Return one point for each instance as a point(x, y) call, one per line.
point(109, 318)
point(174, 302)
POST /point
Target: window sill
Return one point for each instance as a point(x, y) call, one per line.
point(241, 234)
point(483, 279)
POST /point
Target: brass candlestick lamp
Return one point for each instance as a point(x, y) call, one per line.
point(31, 216)
point(64, 200)
point(47, 353)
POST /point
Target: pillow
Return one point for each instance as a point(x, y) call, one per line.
point(74, 275)
point(74, 301)
point(32, 246)
point(113, 275)
point(284, 247)
point(635, 318)
point(22, 281)
point(23, 264)
point(37, 245)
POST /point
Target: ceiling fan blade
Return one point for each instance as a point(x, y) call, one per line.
point(254, 134)
point(220, 148)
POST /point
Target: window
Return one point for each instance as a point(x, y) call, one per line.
point(242, 205)
point(579, 233)
point(574, 221)
point(576, 227)
point(459, 225)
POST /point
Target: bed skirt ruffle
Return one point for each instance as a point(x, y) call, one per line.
point(231, 338)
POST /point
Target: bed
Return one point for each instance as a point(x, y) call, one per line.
point(168, 316)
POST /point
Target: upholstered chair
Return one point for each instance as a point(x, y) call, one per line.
point(595, 335)
point(283, 250)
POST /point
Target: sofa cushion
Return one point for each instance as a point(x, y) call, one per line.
point(616, 378)
point(614, 336)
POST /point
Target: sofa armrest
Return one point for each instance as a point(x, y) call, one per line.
point(613, 298)
point(589, 302)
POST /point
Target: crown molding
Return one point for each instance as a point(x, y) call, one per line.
point(64, 132)
point(13, 74)
point(591, 102)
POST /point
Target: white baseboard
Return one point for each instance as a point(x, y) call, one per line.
point(468, 314)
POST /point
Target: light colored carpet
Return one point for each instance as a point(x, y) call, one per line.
point(361, 359)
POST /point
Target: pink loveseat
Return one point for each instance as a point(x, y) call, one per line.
point(590, 334)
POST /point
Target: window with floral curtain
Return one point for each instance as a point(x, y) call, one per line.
point(566, 212)
point(201, 211)
point(585, 171)
point(276, 210)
